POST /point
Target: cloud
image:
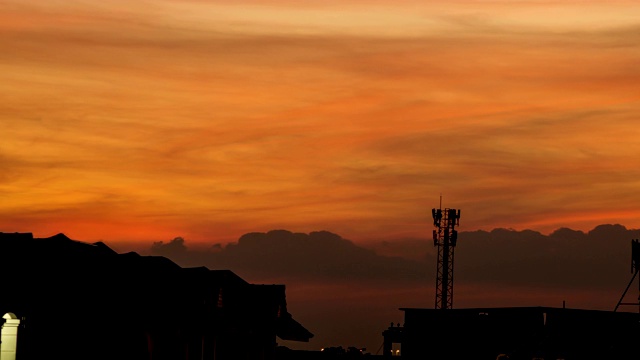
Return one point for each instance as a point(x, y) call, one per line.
point(572, 259)
point(598, 259)
point(280, 254)
point(197, 111)
point(174, 248)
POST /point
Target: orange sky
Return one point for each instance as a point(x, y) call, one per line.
point(145, 120)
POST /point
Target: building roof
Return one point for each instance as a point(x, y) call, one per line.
point(512, 310)
point(95, 275)
point(289, 329)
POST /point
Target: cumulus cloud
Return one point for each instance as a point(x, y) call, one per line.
point(281, 254)
point(566, 258)
point(175, 247)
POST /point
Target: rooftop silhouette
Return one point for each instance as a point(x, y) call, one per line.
point(74, 300)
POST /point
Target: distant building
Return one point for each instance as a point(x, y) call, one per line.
point(517, 332)
point(65, 299)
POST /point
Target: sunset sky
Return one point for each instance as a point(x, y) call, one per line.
point(137, 121)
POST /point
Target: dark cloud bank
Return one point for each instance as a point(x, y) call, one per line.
point(599, 258)
point(281, 254)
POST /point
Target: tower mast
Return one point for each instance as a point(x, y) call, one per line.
point(445, 237)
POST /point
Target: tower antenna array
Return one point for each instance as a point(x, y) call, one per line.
point(445, 237)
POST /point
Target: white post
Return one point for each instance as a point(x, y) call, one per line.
point(9, 337)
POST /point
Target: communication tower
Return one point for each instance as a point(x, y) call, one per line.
point(445, 237)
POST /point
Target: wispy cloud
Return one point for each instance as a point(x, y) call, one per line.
point(231, 117)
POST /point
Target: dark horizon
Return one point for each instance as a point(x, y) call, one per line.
point(347, 295)
point(364, 289)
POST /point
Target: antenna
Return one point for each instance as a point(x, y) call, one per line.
point(445, 237)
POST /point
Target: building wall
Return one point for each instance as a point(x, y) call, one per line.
point(521, 333)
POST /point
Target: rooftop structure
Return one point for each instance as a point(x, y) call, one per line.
point(72, 300)
point(517, 332)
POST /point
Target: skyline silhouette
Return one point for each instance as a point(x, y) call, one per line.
point(75, 300)
point(339, 293)
point(331, 280)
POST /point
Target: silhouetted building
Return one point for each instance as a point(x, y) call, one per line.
point(65, 299)
point(518, 332)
